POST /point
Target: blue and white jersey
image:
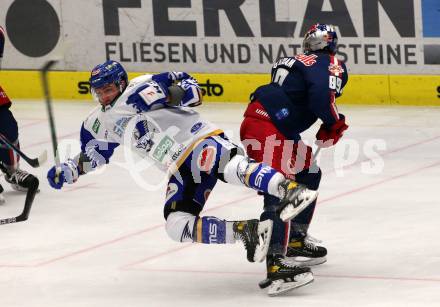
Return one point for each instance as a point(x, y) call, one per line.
point(140, 118)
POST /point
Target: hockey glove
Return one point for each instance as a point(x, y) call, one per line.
point(329, 136)
point(193, 93)
point(66, 172)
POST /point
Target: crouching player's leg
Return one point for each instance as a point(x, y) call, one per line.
point(20, 180)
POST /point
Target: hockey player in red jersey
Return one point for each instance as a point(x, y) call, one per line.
point(18, 178)
point(303, 89)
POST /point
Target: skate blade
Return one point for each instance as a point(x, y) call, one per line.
point(289, 212)
point(264, 234)
point(280, 286)
point(264, 283)
point(305, 261)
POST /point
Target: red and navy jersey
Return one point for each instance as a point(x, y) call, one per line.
point(303, 89)
point(4, 99)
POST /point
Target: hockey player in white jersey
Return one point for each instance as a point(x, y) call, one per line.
point(151, 114)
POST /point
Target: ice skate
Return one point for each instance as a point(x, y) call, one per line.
point(296, 198)
point(283, 277)
point(304, 252)
point(255, 236)
point(19, 180)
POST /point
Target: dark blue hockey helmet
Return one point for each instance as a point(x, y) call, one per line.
point(107, 73)
point(320, 37)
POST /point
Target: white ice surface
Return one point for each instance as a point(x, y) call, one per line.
point(101, 241)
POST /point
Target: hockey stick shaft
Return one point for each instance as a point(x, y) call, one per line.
point(45, 82)
point(316, 153)
point(36, 162)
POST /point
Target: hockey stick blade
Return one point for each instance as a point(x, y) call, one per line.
point(30, 195)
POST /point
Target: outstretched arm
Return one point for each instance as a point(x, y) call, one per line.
point(94, 153)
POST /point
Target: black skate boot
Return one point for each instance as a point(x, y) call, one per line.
point(255, 236)
point(303, 252)
point(283, 277)
point(296, 197)
point(19, 180)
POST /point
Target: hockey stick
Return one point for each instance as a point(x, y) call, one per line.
point(36, 162)
point(30, 195)
point(316, 153)
point(44, 72)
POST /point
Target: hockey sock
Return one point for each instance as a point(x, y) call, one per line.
point(300, 224)
point(211, 230)
point(258, 176)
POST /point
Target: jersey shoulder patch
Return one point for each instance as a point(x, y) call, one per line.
point(307, 59)
point(151, 93)
point(92, 122)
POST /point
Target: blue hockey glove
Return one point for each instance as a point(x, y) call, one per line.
point(193, 94)
point(66, 172)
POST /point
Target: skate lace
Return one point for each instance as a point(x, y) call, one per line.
point(240, 235)
point(311, 239)
point(309, 245)
point(19, 175)
point(287, 264)
point(245, 242)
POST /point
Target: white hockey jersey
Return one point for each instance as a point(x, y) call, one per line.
point(140, 118)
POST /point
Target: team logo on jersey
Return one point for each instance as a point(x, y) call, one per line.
point(196, 128)
point(96, 125)
point(145, 142)
point(171, 191)
point(144, 135)
point(335, 69)
point(206, 158)
point(307, 60)
point(281, 114)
